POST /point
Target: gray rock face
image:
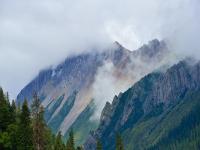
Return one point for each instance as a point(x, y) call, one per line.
point(172, 85)
point(141, 100)
point(77, 74)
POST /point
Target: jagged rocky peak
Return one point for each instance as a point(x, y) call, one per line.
point(106, 111)
point(118, 44)
point(55, 86)
point(153, 48)
point(118, 54)
point(176, 81)
point(153, 95)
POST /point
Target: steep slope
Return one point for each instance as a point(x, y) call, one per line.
point(153, 110)
point(67, 90)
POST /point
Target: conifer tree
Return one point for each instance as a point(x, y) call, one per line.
point(25, 138)
point(16, 126)
point(4, 112)
point(70, 142)
point(58, 143)
point(13, 113)
point(40, 129)
point(119, 143)
point(99, 145)
point(79, 148)
point(13, 136)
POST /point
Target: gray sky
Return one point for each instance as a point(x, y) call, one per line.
point(37, 33)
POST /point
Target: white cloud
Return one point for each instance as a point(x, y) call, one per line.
point(123, 33)
point(38, 33)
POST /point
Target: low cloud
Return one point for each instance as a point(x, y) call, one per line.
point(35, 34)
point(105, 86)
point(110, 80)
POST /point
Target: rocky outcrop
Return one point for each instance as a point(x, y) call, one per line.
point(173, 85)
point(149, 97)
point(77, 74)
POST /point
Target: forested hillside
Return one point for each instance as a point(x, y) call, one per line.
point(22, 128)
point(161, 111)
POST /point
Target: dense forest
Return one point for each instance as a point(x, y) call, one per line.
point(23, 127)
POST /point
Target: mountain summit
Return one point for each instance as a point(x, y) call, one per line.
point(161, 111)
point(69, 92)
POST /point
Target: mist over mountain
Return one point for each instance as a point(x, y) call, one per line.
point(101, 74)
point(31, 30)
point(95, 77)
point(152, 111)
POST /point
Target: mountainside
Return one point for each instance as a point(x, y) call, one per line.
point(161, 111)
point(68, 90)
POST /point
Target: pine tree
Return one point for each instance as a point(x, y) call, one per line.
point(99, 145)
point(119, 143)
point(50, 139)
point(40, 135)
point(70, 142)
point(4, 112)
point(13, 112)
point(58, 143)
point(17, 127)
point(5, 143)
point(79, 148)
point(13, 136)
point(25, 138)
point(2, 96)
point(8, 127)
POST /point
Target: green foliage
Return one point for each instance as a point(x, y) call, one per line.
point(58, 143)
point(172, 129)
point(21, 129)
point(5, 142)
point(70, 142)
point(79, 148)
point(186, 135)
point(119, 142)
point(25, 132)
point(99, 145)
point(5, 113)
point(41, 136)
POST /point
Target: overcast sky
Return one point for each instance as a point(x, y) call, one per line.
point(37, 33)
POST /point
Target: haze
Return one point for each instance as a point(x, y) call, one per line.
point(35, 34)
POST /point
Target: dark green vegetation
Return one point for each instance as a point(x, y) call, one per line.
point(119, 142)
point(184, 132)
point(160, 112)
point(99, 145)
point(177, 128)
point(22, 128)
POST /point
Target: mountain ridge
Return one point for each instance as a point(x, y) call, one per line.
point(150, 98)
point(80, 73)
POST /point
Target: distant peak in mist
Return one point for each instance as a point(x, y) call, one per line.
point(118, 44)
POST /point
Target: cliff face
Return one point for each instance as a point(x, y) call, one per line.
point(146, 105)
point(67, 90)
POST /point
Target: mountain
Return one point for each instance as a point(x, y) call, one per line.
point(79, 87)
point(161, 111)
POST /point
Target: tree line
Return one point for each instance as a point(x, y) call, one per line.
point(23, 127)
point(118, 143)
